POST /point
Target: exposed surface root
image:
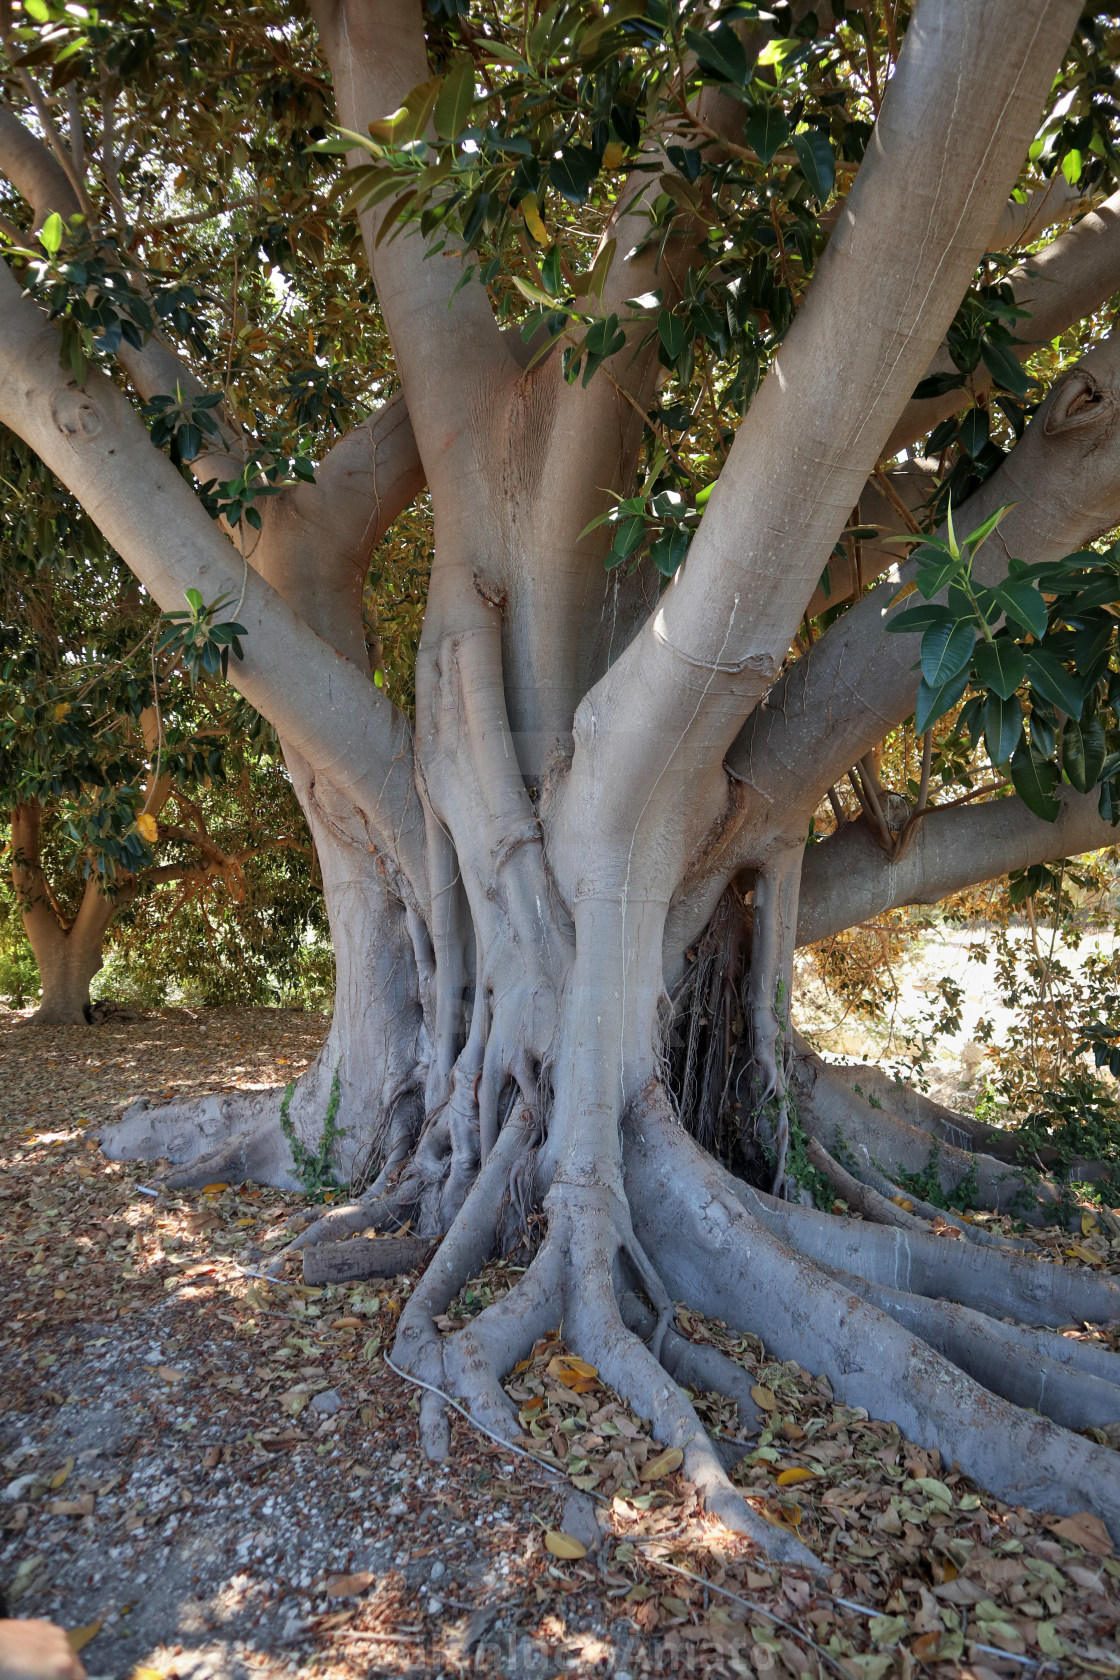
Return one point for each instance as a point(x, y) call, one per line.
point(1029, 1367)
point(1002, 1285)
point(232, 1138)
point(847, 1124)
point(711, 1251)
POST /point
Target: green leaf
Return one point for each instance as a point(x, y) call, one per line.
point(984, 530)
point(1004, 367)
point(935, 702)
point(1000, 666)
point(920, 618)
point(1021, 601)
point(946, 650)
point(668, 551)
point(195, 602)
point(765, 129)
point(1003, 727)
point(456, 99)
point(720, 50)
point(1083, 752)
point(1049, 676)
point(1035, 780)
point(975, 429)
point(50, 234)
point(1072, 165)
point(933, 574)
point(673, 333)
point(818, 165)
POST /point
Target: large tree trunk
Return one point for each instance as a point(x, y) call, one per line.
point(515, 889)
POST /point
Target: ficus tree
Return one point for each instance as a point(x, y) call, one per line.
point(675, 297)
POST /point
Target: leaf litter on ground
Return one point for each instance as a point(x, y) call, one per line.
point(956, 1577)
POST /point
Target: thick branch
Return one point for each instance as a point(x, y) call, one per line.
point(35, 174)
point(847, 879)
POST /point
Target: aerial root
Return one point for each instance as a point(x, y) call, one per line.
point(469, 1243)
point(590, 1259)
point(711, 1250)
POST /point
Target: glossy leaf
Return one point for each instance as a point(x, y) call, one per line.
point(765, 130)
point(920, 618)
point(1035, 780)
point(935, 702)
point(1003, 727)
point(1021, 601)
point(946, 650)
point(1049, 676)
point(1083, 752)
point(1000, 666)
point(818, 164)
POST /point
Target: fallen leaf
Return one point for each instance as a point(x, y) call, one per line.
point(79, 1638)
point(1078, 1252)
point(572, 1373)
point(24, 1576)
point(1090, 1224)
point(1084, 1529)
point(563, 1545)
point(904, 1203)
point(347, 1323)
point(663, 1465)
point(349, 1586)
point(786, 1478)
point(764, 1397)
point(925, 1646)
point(170, 1375)
point(72, 1507)
point(214, 1189)
point(60, 1476)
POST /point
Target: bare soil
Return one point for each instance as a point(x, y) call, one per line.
point(205, 1475)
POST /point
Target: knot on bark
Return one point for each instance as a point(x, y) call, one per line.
point(75, 414)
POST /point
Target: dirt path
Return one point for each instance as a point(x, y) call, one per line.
point(205, 1476)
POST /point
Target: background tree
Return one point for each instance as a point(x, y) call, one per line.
point(669, 293)
point(109, 754)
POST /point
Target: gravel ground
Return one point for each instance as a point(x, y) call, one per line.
point(206, 1476)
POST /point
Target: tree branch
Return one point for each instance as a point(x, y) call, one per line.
point(34, 173)
point(846, 879)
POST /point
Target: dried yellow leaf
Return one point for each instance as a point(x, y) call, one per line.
point(170, 1375)
point(663, 1465)
point(79, 1638)
point(904, 1203)
point(1085, 1255)
point(213, 1189)
point(533, 220)
point(572, 1373)
point(563, 1545)
point(60, 1475)
point(786, 1478)
point(1090, 1224)
point(147, 827)
point(764, 1397)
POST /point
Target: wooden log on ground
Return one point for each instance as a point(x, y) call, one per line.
point(364, 1257)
